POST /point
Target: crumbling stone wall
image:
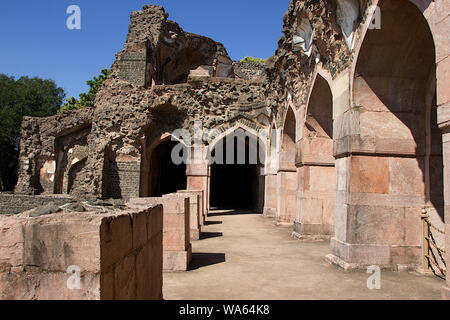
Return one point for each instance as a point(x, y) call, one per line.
point(249, 70)
point(14, 204)
point(136, 104)
point(39, 148)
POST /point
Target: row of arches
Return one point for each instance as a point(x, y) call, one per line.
point(357, 163)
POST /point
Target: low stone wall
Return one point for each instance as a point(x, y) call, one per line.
point(16, 203)
point(82, 256)
point(177, 248)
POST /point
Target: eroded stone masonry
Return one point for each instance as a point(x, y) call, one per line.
point(351, 115)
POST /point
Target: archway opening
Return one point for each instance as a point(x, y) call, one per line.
point(317, 165)
point(319, 119)
point(237, 180)
point(289, 130)
point(166, 175)
point(287, 177)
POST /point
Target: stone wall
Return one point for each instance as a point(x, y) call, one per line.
point(117, 256)
point(14, 203)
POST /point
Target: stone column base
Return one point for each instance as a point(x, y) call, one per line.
point(283, 224)
point(316, 232)
point(313, 238)
point(360, 256)
point(269, 212)
point(175, 261)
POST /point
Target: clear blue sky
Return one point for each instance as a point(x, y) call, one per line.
point(35, 41)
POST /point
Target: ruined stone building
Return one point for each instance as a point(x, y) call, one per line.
point(350, 117)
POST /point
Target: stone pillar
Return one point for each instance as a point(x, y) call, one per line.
point(270, 195)
point(316, 188)
point(379, 196)
point(176, 229)
point(287, 189)
point(444, 124)
point(198, 179)
point(444, 120)
point(195, 209)
point(440, 31)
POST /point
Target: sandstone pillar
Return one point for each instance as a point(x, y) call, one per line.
point(195, 208)
point(316, 187)
point(176, 229)
point(198, 179)
point(315, 201)
point(270, 195)
point(286, 189)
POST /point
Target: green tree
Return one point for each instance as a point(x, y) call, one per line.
point(18, 98)
point(252, 59)
point(86, 100)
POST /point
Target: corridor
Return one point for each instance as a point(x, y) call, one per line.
point(243, 256)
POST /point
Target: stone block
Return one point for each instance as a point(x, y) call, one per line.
point(177, 260)
point(369, 174)
point(116, 239)
point(11, 242)
point(99, 245)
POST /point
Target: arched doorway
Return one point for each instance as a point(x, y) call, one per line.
point(165, 173)
point(237, 172)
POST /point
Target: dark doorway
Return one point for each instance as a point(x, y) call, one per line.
point(237, 184)
point(166, 176)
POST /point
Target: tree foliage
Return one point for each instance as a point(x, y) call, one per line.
point(86, 100)
point(18, 98)
point(252, 59)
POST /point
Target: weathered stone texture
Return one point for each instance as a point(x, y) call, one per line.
point(119, 255)
point(176, 236)
point(13, 204)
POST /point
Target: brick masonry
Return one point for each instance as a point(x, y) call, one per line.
point(14, 204)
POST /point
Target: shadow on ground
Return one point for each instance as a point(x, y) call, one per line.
point(200, 260)
point(210, 223)
point(209, 235)
point(232, 212)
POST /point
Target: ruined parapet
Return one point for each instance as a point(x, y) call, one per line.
point(158, 51)
point(176, 235)
point(311, 37)
point(16, 203)
point(82, 256)
point(52, 152)
point(249, 70)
